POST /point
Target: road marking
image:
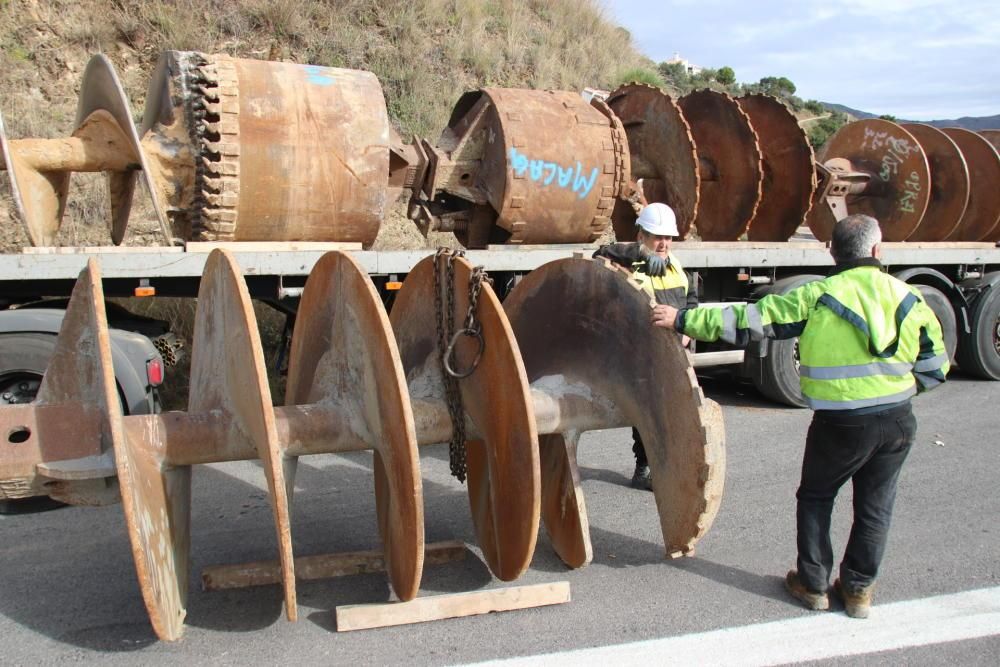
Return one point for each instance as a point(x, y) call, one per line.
point(934, 620)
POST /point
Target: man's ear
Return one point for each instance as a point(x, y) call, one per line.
point(877, 251)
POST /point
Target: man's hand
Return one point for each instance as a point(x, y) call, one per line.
point(664, 316)
point(656, 266)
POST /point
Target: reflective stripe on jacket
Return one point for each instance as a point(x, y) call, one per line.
point(676, 288)
point(865, 338)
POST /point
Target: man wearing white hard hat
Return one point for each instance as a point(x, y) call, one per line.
point(662, 276)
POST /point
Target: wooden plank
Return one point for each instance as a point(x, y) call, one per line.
point(438, 607)
point(269, 246)
point(322, 566)
point(97, 250)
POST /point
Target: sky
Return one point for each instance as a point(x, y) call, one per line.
point(913, 59)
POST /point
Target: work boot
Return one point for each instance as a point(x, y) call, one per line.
point(641, 479)
point(811, 599)
point(858, 603)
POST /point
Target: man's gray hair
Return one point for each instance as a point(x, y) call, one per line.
point(854, 237)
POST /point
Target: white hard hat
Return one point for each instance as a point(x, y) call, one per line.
point(658, 219)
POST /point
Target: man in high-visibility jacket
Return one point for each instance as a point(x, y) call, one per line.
point(660, 273)
point(867, 343)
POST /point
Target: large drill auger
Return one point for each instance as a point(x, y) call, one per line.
point(248, 150)
point(521, 166)
point(229, 149)
point(358, 380)
point(727, 166)
point(921, 183)
point(756, 173)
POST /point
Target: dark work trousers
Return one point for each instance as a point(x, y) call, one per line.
point(868, 449)
point(638, 449)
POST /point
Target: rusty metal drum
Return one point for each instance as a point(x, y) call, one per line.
point(898, 190)
point(281, 151)
point(548, 165)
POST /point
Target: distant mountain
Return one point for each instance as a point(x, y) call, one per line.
point(968, 122)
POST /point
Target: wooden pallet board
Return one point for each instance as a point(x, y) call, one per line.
point(438, 607)
point(322, 566)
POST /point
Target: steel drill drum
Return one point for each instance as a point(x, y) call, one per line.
point(980, 220)
point(992, 136)
point(662, 152)
point(898, 191)
point(730, 164)
point(550, 165)
point(282, 152)
point(789, 177)
point(949, 183)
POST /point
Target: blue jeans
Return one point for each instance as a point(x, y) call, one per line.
point(870, 450)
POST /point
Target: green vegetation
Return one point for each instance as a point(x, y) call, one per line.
point(425, 52)
point(824, 128)
point(726, 76)
point(641, 75)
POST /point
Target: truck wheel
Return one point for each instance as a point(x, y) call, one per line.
point(942, 308)
point(776, 376)
point(979, 350)
point(23, 360)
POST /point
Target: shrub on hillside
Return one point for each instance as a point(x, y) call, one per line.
point(641, 75)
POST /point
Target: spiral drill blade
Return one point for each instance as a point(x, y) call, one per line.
point(730, 164)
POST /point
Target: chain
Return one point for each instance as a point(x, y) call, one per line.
point(444, 263)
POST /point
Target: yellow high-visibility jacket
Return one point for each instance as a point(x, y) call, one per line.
point(865, 338)
point(676, 288)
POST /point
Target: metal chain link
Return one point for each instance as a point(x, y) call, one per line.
point(444, 262)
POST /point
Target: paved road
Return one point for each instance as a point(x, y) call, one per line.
point(68, 590)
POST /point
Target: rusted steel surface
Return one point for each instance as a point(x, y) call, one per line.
point(992, 136)
point(730, 164)
point(230, 149)
point(61, 444)
point(229, 375)
point(503, 473)
point(585, 321)
point(899, 189)
point(348, 391)
point(39, 196)
point(548, 164)
point(564, 507)
point(314, 158)
point(104, 139)
point(788, 178)
point(662, 154)
point(983, 212)
point(102, 91)
point(949, 183)
point(344, 354)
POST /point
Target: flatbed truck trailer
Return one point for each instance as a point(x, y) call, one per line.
point(960, 281)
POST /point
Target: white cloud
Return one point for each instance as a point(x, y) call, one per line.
point(912, 58)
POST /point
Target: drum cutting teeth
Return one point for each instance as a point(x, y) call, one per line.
point(353, 387)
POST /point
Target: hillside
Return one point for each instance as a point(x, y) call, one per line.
point(424, 52)
point(968, 122)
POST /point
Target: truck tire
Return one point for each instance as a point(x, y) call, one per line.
point(979, 350)
point(23, 360)
point(945, 313)
point(776, 375)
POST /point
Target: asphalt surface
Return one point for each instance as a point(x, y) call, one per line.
point(68, 591)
